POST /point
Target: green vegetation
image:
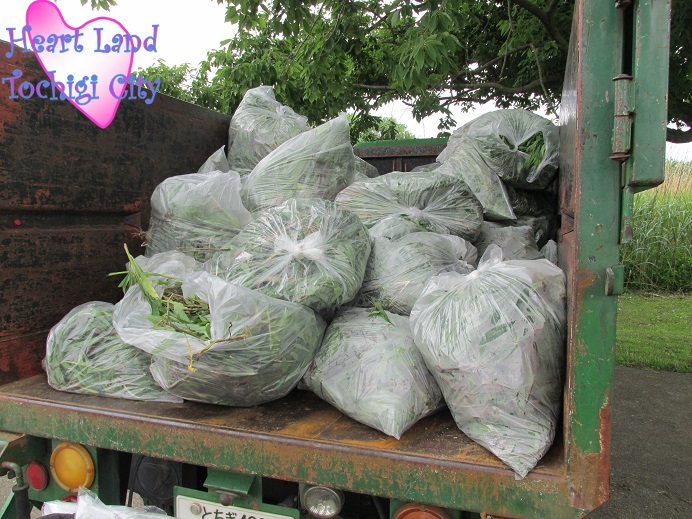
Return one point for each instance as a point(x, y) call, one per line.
point(653, 331)
point(659, 258)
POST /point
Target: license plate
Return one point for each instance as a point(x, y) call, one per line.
point(191, 508)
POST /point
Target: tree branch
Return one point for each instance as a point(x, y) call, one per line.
point(373, 87)
point(533, 86)
point(546, 18)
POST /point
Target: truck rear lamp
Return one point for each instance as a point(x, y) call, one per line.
point(323, 502)
point(36, 475)
point(417, 511)
point(71, 466)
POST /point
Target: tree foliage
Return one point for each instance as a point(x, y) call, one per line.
point(326, 56)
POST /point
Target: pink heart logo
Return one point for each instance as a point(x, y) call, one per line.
point(82, 63)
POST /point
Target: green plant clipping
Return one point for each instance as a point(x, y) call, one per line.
point(85, 355)
point(369, 368)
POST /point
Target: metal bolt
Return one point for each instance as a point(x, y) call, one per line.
point(195, 509)
point(225, 498)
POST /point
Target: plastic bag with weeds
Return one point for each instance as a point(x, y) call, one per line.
point(426, 167)
point(316, 164)
point(532, 203)
point(399, 269)
point(259, 125)
point(365, 168)
point(215, 342)
point(394, 227)
point(466, 164)
point(196, 214)
point(85, 355)
point(494, 340)
point(311, 252)
point(517, 243)
point(369, 368)
point(520, 146)
point(216, 162)
point(550, 251)
point(436, 202)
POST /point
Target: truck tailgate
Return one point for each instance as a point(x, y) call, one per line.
point(298, 437)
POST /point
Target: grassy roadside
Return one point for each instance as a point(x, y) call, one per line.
point(655, 331)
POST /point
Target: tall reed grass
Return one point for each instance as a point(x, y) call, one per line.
point(659, 257)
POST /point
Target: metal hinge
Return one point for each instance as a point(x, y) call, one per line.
point(624, 117)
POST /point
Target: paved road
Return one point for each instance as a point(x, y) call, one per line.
point(651, 447)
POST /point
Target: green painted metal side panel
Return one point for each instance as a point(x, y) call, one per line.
point(589, 244)
point(650, 71)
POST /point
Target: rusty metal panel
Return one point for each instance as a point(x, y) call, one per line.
point(53, 158)
point(72, 194)
point(388, 156)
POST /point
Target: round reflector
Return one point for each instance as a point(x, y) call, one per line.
point(36, 476)
point(71, 466)
point(416, 511)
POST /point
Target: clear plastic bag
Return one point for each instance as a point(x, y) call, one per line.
point(465, 163)
point(258, 347)
point(366, 169)
point(369, 368)
point(398, 269)
point(550, 251)
point(89, 506)
point(311, 252)
point(437, 202)
point(216, 162)
point(259, 125)
point(196, 214)
point(494, 340)
point(426, 167)
point(85, 355)
point(520, 146)
point(316, 164)
point(516, 242)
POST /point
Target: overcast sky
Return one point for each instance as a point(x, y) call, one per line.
point(188, 29)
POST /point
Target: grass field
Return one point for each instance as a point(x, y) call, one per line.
point(659, 257)
point(655, 331)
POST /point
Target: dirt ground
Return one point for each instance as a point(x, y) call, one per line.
point(651, 447)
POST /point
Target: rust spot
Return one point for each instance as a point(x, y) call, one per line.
point(133, 207)
point(42, 195)
point(589, 482)
point(599, 228)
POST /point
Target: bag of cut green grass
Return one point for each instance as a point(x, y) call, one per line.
point(259, 125)
point(517, 243)
point(436, 202)
point(398, 270)
point(215, 342)
point(494, 340)
point(466, 164)
point(85, 355)
point(311, 252)
point(216, 162)
point(316, 164)
point(365, 169)
point(196, 214)
point(520, 146)
point(369, 368)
